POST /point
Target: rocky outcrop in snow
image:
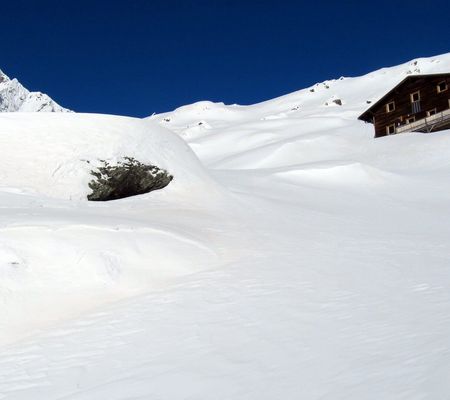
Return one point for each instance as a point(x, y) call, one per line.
point(127, 178)
point(14, 97)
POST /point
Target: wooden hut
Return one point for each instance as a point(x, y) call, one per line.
point(419, 103)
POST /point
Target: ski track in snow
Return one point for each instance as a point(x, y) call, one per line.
point(306, 261)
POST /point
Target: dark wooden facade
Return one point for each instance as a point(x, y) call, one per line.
point(415, 99)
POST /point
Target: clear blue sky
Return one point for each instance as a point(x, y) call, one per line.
point(136, 57)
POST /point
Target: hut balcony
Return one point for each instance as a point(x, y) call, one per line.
point(429, 124)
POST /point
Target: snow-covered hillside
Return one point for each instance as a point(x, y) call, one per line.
point(14, 97)
point(324, 106)
point(53, 154)
point(303, 259)
point(50, 240)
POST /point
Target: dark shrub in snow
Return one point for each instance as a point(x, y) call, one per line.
point(128, 178)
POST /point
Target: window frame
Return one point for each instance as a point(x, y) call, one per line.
point(433, 110)
point(393, 106)
point(410, 120)
point(411, 96)
point(439, 90)
point(388, 132)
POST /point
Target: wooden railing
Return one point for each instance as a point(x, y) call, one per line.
point(426, 124)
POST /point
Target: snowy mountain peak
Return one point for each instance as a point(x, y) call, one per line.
point(3, 76)
point(14, 97)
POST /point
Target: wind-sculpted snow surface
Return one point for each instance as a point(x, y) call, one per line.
point(312, 265)
point(53, 154)
point(251, 132)
point(60, 254)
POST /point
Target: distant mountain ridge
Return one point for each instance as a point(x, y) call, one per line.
point(14, 97)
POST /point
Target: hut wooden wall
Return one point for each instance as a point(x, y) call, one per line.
point(429, 99)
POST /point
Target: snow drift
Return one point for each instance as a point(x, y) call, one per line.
point(316, 268)
point(53, 154)
point(59, 253)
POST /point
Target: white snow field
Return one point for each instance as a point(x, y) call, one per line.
point(295, 258)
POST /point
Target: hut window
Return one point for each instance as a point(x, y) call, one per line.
point(410, 120)
point(390, 129)
point(390, 106)
point(442, 87)
point(431, 112)
point(415, 96)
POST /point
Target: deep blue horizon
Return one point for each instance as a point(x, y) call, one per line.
point(139, 57)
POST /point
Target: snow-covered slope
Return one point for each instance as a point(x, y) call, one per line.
point(60, 254)
point(54, 154)
point(14, 97)
point(240, 130)
point(306, 260)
